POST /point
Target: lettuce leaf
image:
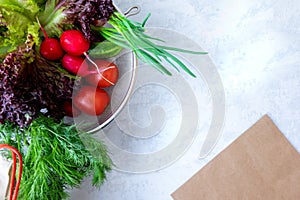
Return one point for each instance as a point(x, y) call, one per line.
point(53, 18)
point(3, 47)
point(17, 16)
point(17, 22)
point(25, 8)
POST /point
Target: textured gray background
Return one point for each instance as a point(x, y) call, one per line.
point(255, 46)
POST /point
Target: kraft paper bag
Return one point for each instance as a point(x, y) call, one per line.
point(260, 165)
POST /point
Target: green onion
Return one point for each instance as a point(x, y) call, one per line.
point(130, 34)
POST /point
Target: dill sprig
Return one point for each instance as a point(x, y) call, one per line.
point(55, 157)
point(130, 34)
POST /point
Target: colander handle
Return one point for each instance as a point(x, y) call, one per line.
point(134, 10)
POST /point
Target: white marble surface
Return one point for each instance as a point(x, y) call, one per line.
point(255, 45)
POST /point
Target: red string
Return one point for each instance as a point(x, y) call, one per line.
point(14, 151)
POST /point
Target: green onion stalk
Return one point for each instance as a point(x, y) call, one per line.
point(131, 35)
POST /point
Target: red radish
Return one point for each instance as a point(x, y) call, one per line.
point(74, 64)
point(108, 77)
point(91, 100)
point(71, 110)
point(50, 48)
point(74, 42)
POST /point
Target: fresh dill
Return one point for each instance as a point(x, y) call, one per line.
point(56, 156)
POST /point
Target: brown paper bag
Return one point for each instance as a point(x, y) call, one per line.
point(260, 164)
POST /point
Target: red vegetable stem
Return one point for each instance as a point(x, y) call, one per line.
point(42, 29)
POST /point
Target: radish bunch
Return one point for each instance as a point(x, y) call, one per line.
point(71, 49)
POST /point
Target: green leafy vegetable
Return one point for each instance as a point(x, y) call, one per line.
point(18, 17)
point(55, 157)
point(18, 20)
point(53, 18)
point(129, 34)
point(104, 49)
point(29, 83)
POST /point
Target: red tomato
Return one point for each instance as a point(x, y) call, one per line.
point(108, 77)
point(70, 110)
point(91, 100)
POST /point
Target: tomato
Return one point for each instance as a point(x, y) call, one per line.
point(70, 110)
point(108, 76)
point(91, 100)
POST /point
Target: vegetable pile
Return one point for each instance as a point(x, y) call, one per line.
point(46, 48)
point(29, 83)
